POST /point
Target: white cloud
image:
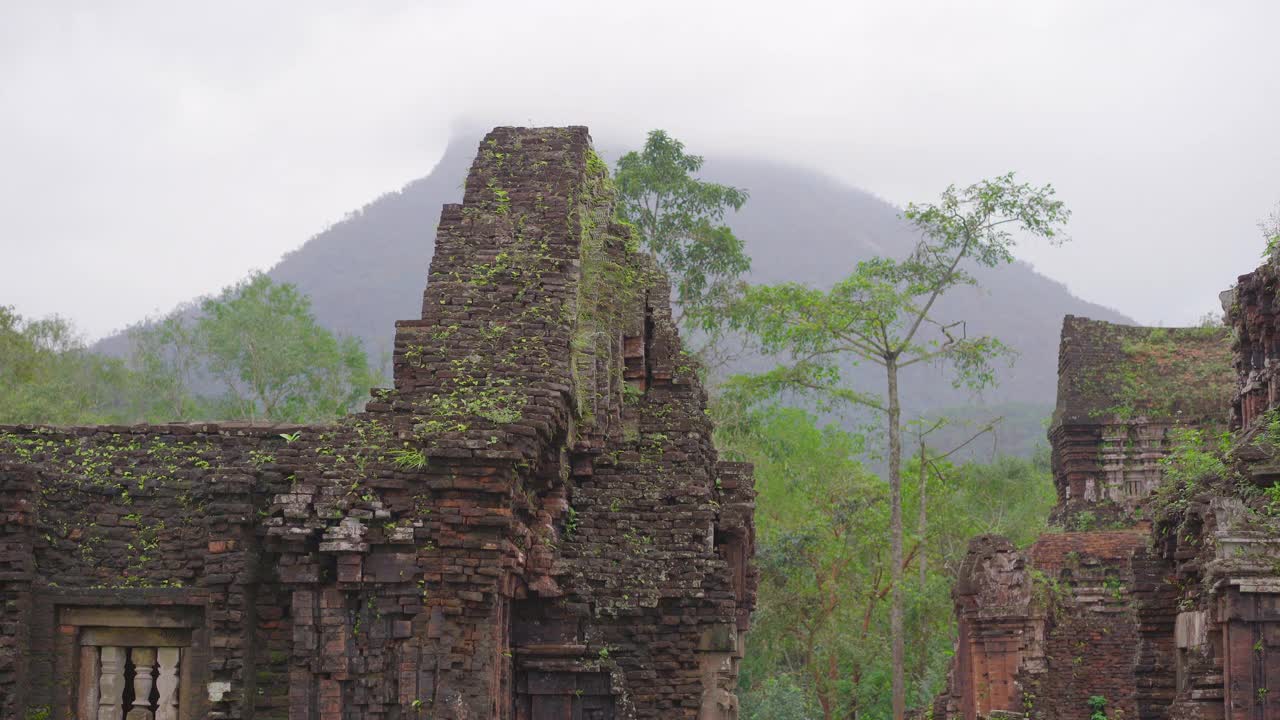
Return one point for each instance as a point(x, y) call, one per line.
point(155, 151)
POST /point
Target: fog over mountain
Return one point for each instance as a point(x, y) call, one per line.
point(155, 151)
point(368, 270)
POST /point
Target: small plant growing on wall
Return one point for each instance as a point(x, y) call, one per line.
point(1097, 707)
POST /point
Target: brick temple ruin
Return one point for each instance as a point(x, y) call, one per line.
point(1162, 595)
point(533, 524)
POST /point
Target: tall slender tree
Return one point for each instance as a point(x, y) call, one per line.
point(890, 313)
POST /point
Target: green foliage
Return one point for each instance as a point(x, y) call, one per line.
point(1097, 707)
point(409, 458)
point(47, 375)
point(277, 363)
point(1047, 590)
point(1269, 436)
point(780, 697)
point(1008, 496)
point(1085, 521)
point(167, 356)
point(1271, 500)
point(821, 522)
point(258, 339)
point(571, 522)
point(1195, 458)
point(681, 219)
point(887, 313)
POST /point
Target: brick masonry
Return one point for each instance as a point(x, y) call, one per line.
point(532, 524)
point(1102, 610)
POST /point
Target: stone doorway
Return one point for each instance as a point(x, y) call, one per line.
point(564, 696)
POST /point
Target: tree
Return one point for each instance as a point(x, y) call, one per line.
point(816, 649)
point(276, 362)
point(887, 313)
point(681, 220)
point(167, 358)
point(257, 338)
point(936, 465)
point(824, 577)
point(47, 375)
point(1270, 228)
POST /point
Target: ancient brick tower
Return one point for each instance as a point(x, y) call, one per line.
point(532, 524)
point(1161, 599)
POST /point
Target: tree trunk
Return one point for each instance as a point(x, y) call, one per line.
point(895, 539)
point(922, 525)
point(923, 522)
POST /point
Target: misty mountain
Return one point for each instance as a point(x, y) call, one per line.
point(368, 270)
point(800, 225)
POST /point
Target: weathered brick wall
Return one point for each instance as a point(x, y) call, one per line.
point(1120, 391)
point(1251, 310)
point(1076, 616)
point(532, 524)
point(144, 517)
point(1000, 631)
point(1092, 636)
point(1091, 613)
point(17, 572)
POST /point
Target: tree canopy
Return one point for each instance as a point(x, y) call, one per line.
point(681, 220)
point(263, 344)
point(254, 352)
point(888, 312)
point(47, 375)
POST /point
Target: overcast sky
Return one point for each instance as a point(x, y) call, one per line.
point(152, 152)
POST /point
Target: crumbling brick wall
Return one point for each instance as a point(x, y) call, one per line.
point(139, 518)
point(1120, 391)
point(1092, 613)
point(17, 573)
point(531, 524)
point(1222, 542)
point(1044, 630)
point(1252, 310)
point(1000, 631)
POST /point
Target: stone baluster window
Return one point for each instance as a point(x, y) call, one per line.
point(132, 673)
point(143, 658)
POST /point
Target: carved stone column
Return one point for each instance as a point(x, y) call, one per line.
point(167, 683)
point(144, 667)
point(111, 684)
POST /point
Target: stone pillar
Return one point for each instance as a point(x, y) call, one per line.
point(90, 672)
point(717, 658)
point(111, 684)
point(144, 668)
point(167, 683)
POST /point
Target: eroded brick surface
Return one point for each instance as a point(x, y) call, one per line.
point(1102, 609)
point(532, 524)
